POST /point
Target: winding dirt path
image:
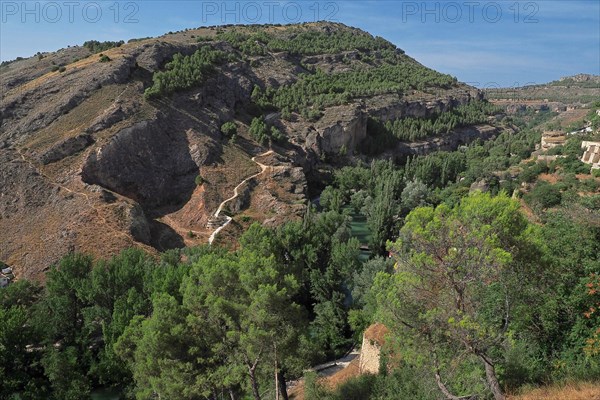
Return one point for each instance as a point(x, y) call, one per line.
point(228, 219)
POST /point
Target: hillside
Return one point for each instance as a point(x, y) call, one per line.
point(110, 145)
point(578, 90)
point(231, 212)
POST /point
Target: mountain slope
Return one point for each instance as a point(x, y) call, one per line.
point(103, 150)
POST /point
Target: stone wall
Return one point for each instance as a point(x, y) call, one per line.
point(370, 352)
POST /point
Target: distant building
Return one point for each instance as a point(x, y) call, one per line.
point(591, 153)
point(552, 139)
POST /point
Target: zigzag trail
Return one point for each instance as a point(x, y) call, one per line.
point(228, 219)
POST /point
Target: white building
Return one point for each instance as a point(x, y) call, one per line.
point(591, 154)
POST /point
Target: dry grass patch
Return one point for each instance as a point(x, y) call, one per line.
point(570, 391)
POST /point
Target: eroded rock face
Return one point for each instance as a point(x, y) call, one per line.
point(342, 129)
point(388, 108)
point(67, 148)
point(448, 142)
point(148, 162)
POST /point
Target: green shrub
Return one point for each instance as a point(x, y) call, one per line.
point(259, 130)
point(589, 185)
point(572, 164)
point(185, 72)
point(104, 58)
point(591, 202)
point(62, 69)
point(229, 128)
point(96, 47)
point(558, 150)
point(276, 135)
point(531, 172)
point(596, 173)
point(55, 68)
point(544, 195)
point(199, 180)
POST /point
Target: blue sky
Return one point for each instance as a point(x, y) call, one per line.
point(485, 43)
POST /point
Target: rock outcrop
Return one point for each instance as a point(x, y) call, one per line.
point(66, 148)
point(340, 130)
point(147, 162)
point(449, 142)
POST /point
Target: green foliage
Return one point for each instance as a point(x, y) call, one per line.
point(199, 180)
point(104, 58)
point(95, 46)
point(276, 135)
point(260, 131)
point(415, 194)
point(304, 42)
point(532, 170)
point(314, 92)
point(544, 195)
point(229, 129)
point(378, 68)
point(572, 164)
point(184, 72)
point(331, 199)
point(457, 271)
point(383, 211)
point(244, 309)
point(405, 382)
point(411, 129)
point(62, 69)
point(63, 370)
point(477, 161)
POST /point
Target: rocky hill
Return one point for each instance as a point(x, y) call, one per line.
point(108, 146)
point(567, 92)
